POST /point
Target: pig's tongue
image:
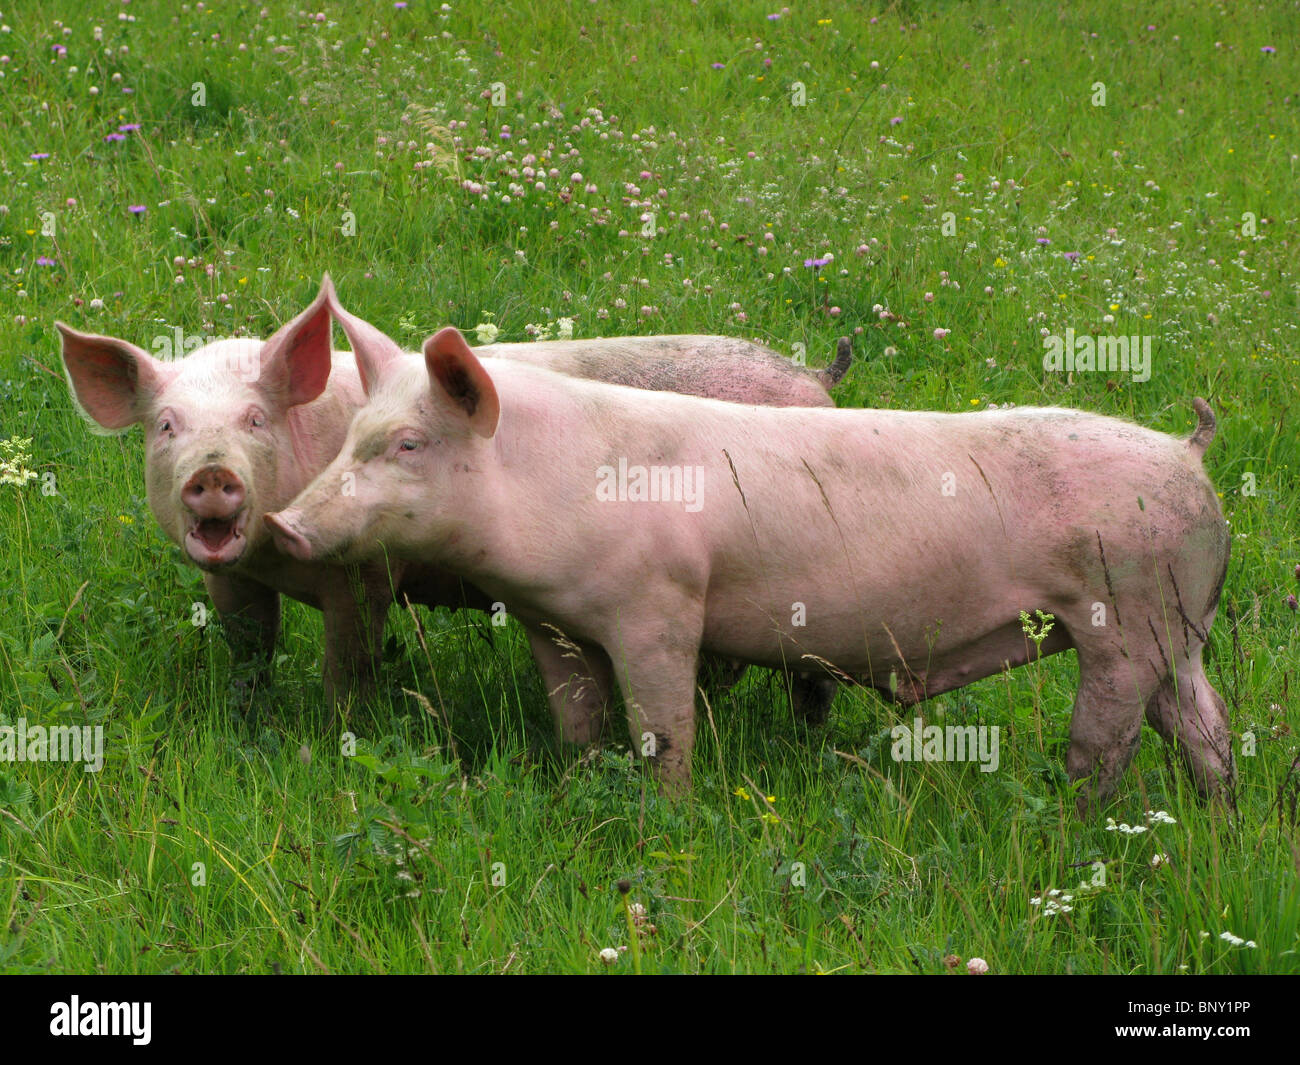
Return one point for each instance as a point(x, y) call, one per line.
point(216, 541)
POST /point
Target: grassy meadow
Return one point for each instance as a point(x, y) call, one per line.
point(949, 183)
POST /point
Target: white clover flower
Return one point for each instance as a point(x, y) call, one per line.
point(486, 332)
point(1053, 901)
point(564, 329)
point(609, 955)
point(977, 966)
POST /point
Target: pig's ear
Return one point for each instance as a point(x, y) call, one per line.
point(455, 372)
point(373, 349)
point(296, 360)
point(111, 380)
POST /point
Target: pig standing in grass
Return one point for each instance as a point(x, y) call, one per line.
point(899, 547)
point(240, 427)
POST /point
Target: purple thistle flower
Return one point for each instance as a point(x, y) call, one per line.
point(400, 4)
point(115, 137)
point(1268, 49)
point(1073, 256)
point(46, 261)
point(816, 262)
point(136, 208)
point(130, 127)
point(40, 155)
point(773, 18)
point(897, 120)
point(718, 66)
point(1044, 240)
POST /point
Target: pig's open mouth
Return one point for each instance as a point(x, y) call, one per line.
point(215, 542)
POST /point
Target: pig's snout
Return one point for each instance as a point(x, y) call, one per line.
point(215, 496)
point(287, 538)
point(214, 492)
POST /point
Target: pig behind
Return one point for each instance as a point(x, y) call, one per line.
point(736, 370)
point(239, 427)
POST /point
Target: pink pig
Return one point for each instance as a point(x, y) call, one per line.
point(898, 547)
point(240, 427)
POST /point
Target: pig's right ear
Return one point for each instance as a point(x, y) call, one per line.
point(455, 372)
point(110, 379)
point(372, 349)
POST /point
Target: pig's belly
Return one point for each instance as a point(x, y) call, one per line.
point(933, 647)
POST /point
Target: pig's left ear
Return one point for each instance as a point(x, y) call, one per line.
point(296, 360)
point(455, 372)
point(372, 348)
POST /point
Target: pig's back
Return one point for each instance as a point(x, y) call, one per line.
point(714, 367)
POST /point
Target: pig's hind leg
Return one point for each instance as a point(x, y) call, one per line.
point(1192, 718)
point(1123, 675)
point(811, 695)
point(579, 682)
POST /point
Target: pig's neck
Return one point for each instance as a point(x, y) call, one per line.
point(512, 506)
point(475, 539)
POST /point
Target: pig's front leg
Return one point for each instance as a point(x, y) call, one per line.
point(355, 608)
point(656, 659)
point(579, 682)
point(250, 614)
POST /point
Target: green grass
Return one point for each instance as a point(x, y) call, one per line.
point(458, 839)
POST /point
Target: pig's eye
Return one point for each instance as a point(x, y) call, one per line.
point(408, 445)
point(256, 419)
point(165, 424)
